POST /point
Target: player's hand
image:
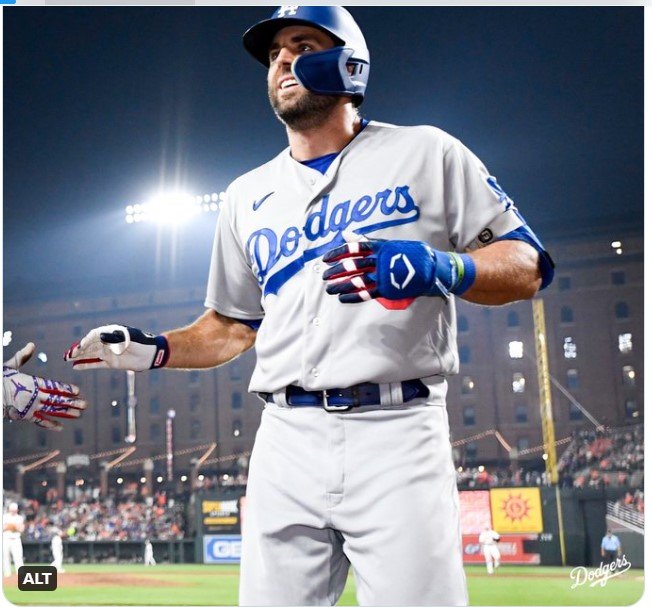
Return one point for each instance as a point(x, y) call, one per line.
point(393, 269)
point(31, 398)
point(119, 347)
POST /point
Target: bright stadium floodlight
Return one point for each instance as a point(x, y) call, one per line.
point(6, 338)
point(172, 208)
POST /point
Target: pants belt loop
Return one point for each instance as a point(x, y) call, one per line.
point(396, 393)
point(385, 391)
point(280, 398)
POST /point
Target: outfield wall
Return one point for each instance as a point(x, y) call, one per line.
point(177, 551)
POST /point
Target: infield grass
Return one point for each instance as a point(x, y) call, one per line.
point(218, 585)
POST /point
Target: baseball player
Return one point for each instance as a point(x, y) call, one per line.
point(56, 546)
point(148, 557)
point(40, 401)
point(13, 524)
point(340, 259)
point(488, 540)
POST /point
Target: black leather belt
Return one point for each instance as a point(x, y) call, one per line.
point(341, 399)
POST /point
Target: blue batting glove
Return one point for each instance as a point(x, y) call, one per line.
point(395, 269)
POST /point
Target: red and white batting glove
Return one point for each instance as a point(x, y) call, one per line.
point(35, 399)
point(119, 347)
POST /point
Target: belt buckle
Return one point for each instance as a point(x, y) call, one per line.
point(332, 408)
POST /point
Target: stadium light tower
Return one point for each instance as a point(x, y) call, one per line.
point(173, 208)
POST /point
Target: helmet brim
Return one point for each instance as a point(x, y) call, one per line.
point(258, 38)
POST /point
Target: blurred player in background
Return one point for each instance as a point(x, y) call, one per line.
point(149, 554)
point(488, 540)
point(13, 524)
point(56, 546)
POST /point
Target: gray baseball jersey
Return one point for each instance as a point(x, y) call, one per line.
point(411, 183)
point(375, 486)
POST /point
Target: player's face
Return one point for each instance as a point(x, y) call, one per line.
point(294, 105)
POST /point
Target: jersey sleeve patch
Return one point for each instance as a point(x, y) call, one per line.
point(503, 224)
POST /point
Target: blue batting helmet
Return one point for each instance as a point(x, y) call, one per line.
point(342, 70)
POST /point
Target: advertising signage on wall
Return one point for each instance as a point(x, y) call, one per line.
point(511, 547)
point(221, 515)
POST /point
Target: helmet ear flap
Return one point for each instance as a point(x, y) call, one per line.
point(327, 72)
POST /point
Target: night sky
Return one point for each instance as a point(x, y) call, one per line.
point(103, 106)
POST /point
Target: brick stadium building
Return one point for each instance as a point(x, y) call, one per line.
point(594, 321)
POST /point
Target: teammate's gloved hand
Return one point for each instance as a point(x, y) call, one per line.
point(31, 398)
point(119, 347)
point(395, 269)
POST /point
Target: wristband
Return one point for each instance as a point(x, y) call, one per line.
point(465, 273)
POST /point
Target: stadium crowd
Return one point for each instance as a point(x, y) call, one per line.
point(88, 519)
point(593, 458)
point(596, 458)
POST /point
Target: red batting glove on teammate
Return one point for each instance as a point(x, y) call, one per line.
point(119, 347)
point(34, 399)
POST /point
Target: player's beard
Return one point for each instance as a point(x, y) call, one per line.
point(304, 112)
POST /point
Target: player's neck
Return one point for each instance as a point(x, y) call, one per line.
point(333, 135)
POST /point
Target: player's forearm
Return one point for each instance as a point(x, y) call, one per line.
point(210, 341)
point(506, 271)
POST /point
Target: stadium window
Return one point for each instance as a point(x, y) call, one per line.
point(572, 379)
point(114, 303)
point(154, 432)
point(513, 319)
point(564, 283)
point(154, 405)
point(631, 409)
point(116, 435)
point(618, 278)
point(622, 310)
point(570, 348)
point(567, 314)
point(194, 377)
point(625, 343)
point(522, 443)
point(462, 324)
point(77, 331)
point(465, 355)
point(236, 400)
point(195, 428)
point(520, 414)
point(78, 436)
point(468, 385)
point(468, 416)
point(6, 442)
point(470, 451)
point(41, 439)
point(518, 383)
point(235, 370)
point(194, 401)
point(154, 378)
point(115, 408)
point(575, 413)
point(237, 428)
point(629, 376)
point(515, 349)
point(115, 381)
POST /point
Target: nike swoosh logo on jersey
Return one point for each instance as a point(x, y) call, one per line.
point(257, 203)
